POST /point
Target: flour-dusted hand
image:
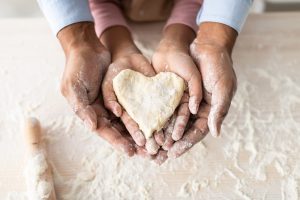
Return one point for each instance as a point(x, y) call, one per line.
point(110, 129)
point(134, 61)
point(173, 55)
point(125, 55)
point(86, 63)
point(211, 51)
point(197, 129)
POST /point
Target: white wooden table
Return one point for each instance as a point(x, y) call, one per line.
point(257, 156)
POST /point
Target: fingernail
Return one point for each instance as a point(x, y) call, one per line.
point(159, 137)
point(215, 132)
point(175, 137)
point(212, 126)
point(117, 110)
point(140, 140)
point(177, 134)
point(193, 105)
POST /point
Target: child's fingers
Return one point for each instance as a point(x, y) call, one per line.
point(109, 97)
point(133, 129)
point(195, 91)
point(114, 137)
point(161, 157)
point(159, 137)
point(151, 146)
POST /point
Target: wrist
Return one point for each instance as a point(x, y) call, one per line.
point(177, 37)
point(216, 35)
point(79, 36)
point(118, 41)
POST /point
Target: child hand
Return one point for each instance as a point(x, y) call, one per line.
point(173, 55)
point(126, 56)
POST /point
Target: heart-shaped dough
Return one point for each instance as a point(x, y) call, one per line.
point(150, 101)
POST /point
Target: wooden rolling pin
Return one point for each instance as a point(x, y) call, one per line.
point(38, 172)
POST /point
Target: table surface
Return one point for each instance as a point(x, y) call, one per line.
point(257, 156)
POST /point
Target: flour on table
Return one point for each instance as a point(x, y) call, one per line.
point(39, 187)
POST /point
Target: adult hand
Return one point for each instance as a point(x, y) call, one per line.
point(86, 63)
point(211, 51)
point(126, 56)
point(173, 55)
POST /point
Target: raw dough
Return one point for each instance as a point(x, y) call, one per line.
point(150, 101)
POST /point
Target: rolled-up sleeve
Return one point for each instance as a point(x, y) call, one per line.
point(185, 12)
point(230, 12)
point(107, 13)
point(61, 13)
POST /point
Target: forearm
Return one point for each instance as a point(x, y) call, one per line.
point(232, 13)
point(216, 35)
point(79, 36)
point(178, 35)
point(118, 41)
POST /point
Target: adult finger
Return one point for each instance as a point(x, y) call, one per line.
point(182, 118)
point(111, 134)
point(76, 95)
point(222, 95)
point(168, 134)
point(195, 134)
point(133, 129)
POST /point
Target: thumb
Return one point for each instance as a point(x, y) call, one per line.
point(109, 97)
point(78, 99)
point(222, 95)
point(193, 78)
point(195, 92)
point(185, 67)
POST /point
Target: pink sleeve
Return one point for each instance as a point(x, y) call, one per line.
point(106, 13)
point(185, 12)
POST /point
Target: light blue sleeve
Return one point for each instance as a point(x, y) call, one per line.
point(61, 13)
point(230, 12)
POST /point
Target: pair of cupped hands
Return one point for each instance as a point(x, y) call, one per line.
point(204, 62)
